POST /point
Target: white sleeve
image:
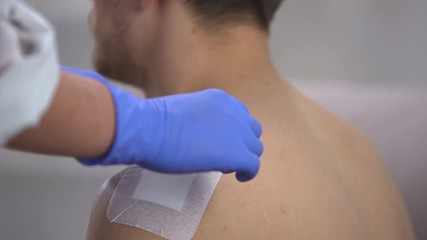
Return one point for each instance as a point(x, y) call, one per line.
point(29, 69)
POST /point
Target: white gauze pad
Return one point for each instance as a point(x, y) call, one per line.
point(170, 206)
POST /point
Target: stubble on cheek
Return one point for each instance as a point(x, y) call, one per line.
point(115, 54)
point(110, 50)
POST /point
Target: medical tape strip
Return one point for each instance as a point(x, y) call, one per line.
point(170, 206)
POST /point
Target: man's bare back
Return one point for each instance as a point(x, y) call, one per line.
point(320, 179)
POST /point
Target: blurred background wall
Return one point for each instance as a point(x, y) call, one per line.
point(334, 42)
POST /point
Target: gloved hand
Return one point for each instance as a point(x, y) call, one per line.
point(186, 133)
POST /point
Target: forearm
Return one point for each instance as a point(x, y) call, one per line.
point(88, 118)
point(80, 121)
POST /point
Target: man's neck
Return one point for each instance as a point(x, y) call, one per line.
point(238, 62)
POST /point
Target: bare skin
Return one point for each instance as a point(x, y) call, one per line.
point(78, 103)
point(320, 177)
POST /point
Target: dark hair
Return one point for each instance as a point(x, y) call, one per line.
point(219, 12)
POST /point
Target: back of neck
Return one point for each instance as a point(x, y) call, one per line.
point(237, 61)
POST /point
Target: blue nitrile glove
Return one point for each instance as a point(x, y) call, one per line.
point(186, 133)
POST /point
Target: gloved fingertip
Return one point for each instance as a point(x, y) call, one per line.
point(244, 176)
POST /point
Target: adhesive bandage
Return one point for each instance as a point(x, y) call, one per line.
point(170, 206)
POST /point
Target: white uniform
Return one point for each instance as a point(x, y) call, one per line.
point(29, 69)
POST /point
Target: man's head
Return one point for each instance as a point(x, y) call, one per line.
point(128, 33)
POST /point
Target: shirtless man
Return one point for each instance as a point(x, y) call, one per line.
point(320, 177)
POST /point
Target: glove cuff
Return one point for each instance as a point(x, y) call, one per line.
point(130, 132)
